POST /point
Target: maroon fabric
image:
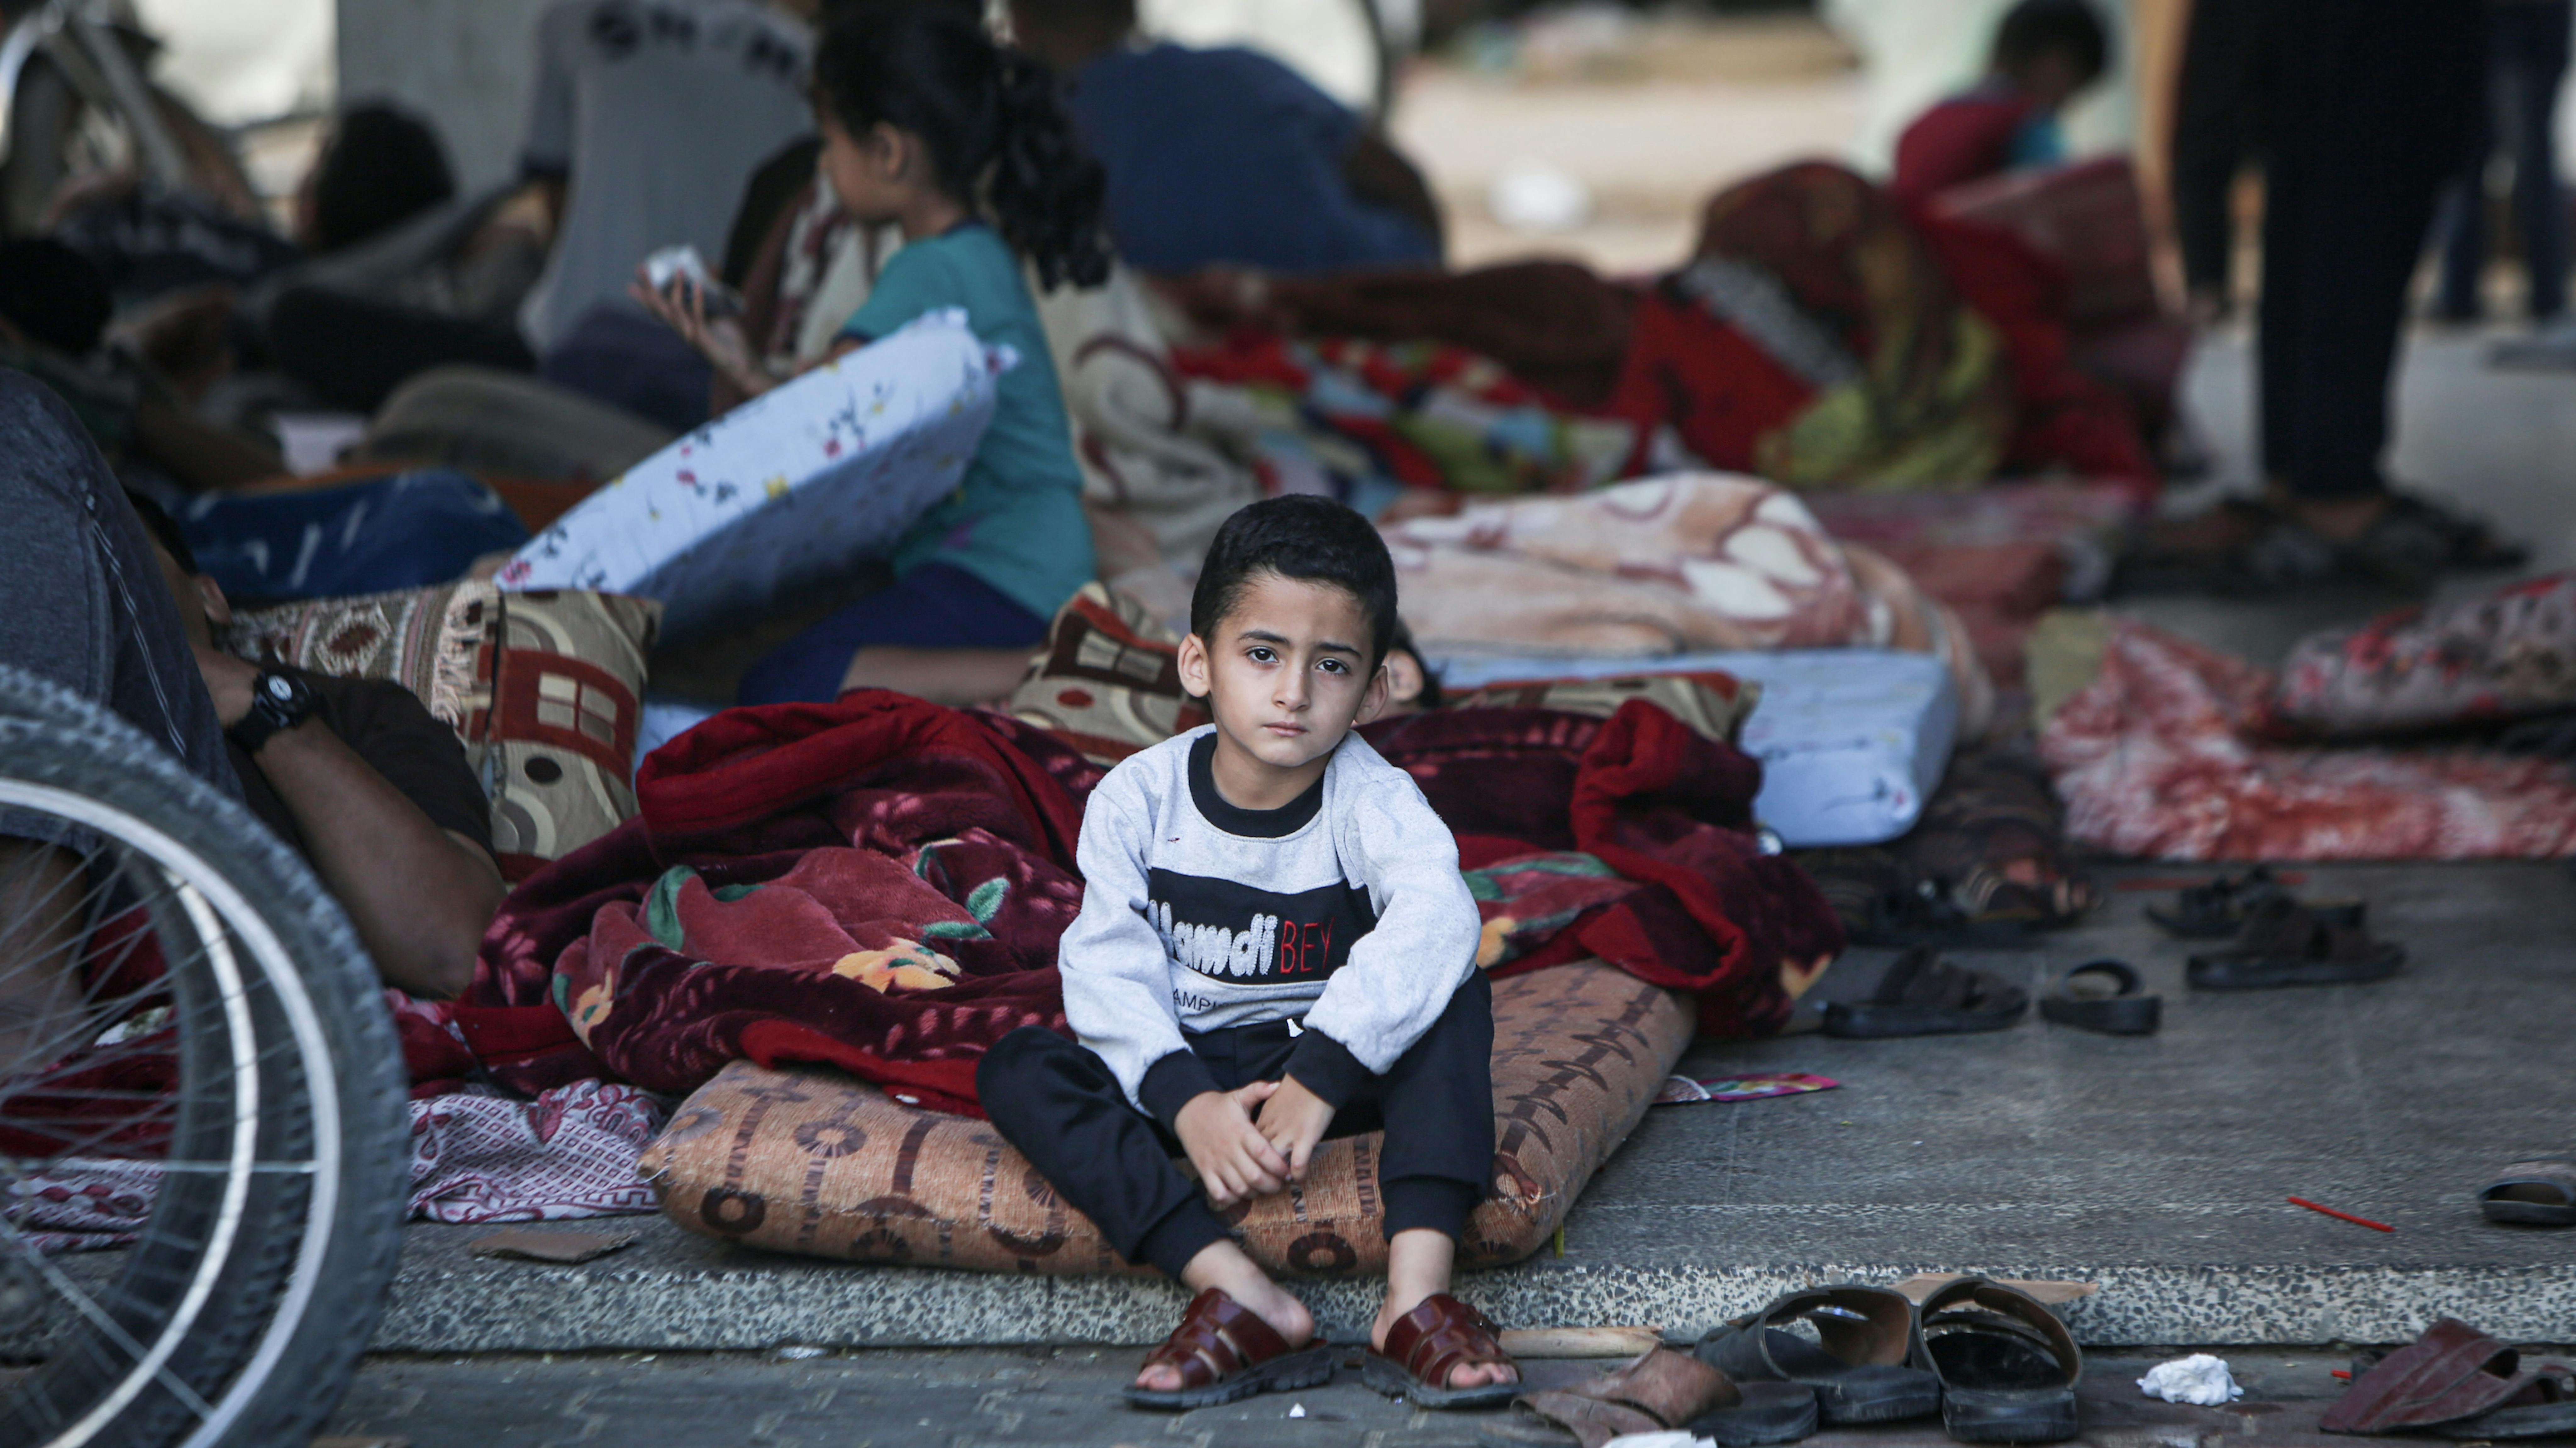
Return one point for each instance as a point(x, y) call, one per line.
point(1962, 139)
point(879, 817)
point(1664, 807)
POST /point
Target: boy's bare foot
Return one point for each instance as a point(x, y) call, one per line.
point(1223, 1265)
point(1417, 1266)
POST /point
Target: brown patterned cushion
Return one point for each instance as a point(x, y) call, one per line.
point(1107, 679)
point(543, 689)
point(812, 1161)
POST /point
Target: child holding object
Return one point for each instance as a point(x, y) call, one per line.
point(1274, 940)
point(928, 125)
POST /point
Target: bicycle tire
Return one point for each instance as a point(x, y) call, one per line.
point(280, 1318)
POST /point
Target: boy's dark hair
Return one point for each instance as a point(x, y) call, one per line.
point(53, 294)
point(990, 119)
point(165, 531)
point(1307, 538)
point(2035, 28)
point(381, 167)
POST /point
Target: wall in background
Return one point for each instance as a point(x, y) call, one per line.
point(465, 64)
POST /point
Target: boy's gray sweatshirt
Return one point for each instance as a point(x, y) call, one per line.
point(1341, 912)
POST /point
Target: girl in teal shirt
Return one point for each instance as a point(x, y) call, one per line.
point(921, 114)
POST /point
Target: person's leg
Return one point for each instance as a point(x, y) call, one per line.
point(2374, 98)
point(82, 606)
point(1438, 1103)
point(2212, 134)
point(2539, 35)
point(938, 633)
point(2460, 229)
point(1059, 1104)
point(82, 602)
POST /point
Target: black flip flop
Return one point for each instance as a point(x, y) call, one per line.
point(2127, 1011)
point(2008, 1367)
point(1924, 995)
point(2284, 943)
point(1862, 1365)
point(2539, 1193)
point(2217, 910)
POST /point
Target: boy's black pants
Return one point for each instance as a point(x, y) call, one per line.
point(1058, 1103)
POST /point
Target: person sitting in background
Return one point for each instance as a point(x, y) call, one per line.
point(646, 119)
point(929, 125)
point(2046, 52)
point(380, 168)
point(1225, 157)
point(55, 306)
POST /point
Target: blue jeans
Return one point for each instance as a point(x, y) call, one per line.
point(2526, 57)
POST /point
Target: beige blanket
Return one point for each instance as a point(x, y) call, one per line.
point(1686, 563)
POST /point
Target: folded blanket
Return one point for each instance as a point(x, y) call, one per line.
point(1685, 563)
point(2159, 756)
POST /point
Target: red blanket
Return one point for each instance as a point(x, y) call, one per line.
point(879, 883)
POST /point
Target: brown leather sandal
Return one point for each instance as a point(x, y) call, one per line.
point(1656, 1392)
point(1430, 1342)
point(1226, 1352)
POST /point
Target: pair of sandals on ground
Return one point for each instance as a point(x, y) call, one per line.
point(1223, 1351)
point(1992, 1361)
point(2277, 940)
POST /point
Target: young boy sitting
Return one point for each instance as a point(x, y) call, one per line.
point(2046, 52)
point(1274, 940)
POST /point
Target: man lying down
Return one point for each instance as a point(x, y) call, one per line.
point(357, 776)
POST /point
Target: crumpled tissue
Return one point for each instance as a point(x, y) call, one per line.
point(2200, 1379)
point(1666, 1438)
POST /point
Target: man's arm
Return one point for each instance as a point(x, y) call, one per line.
point(419, 895)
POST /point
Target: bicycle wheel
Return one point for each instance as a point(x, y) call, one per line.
point(196, 1069)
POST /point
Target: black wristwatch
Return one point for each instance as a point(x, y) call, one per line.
point(277, 701)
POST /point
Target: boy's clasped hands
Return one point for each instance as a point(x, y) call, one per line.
point(1253, 1140)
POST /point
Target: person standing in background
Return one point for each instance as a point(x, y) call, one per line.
point(2526, 62)
point(2362, 109)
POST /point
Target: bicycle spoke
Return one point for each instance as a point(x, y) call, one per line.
point(98, 1317)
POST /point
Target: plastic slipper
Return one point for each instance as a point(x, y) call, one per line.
point(2451, 1373)
point(2008, 1367)
point(1425, 1345)
point(2284, 943)
point(2124, 1012)
point(1658, 1392)
point(2217, 910)
point(2546, 1409)
point(1863, 1363)
point(1924, 995)
point(2532, 1194)
point(1225, 1353)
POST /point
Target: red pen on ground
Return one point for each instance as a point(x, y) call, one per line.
point(2342, 1216)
